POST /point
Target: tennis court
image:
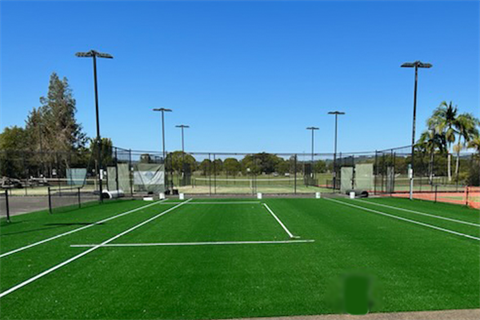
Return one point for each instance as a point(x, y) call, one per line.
point(235, 258)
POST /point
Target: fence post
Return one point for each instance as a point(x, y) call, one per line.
point(295, 174)
point(254, 172)
point(58, 174)
point(79, 199)
point(130, 175)
point(7, 205)
point(214, 175)
point(466, 195)
point(436, 189)
point(49, 200)
point(383, 172)
point(116, 168)
point(25, 172)
point(209, 175)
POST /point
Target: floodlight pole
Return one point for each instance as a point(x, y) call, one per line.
point(313, 138)
point(99, 142)
point(93, 54)
point(336, 113)
point(182, 126)
point(416, 65)
point(163, 110)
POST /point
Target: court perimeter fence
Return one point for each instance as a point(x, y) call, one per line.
point(63, 176)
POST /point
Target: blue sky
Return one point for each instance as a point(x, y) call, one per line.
point(246, 76)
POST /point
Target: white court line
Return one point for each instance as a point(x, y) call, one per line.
point(188, 243)
point(278, 220)
point(78, 229)
point(422, 213)
point(408, 220)
point(44, 273)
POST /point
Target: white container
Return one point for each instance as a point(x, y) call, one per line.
point(259, 195)
point(162, 195)
point(352, 195)
point(181, 196)
point(318, 195)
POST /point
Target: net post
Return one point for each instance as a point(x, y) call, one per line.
point(49, 201)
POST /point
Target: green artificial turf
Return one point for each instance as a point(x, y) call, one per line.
point(410, 267)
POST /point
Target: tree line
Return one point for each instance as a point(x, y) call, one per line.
point(259, 163)
point(51, 139)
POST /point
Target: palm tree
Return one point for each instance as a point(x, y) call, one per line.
point(474, 143)
point(444, 119)
point(431, 140)
point(466, 126)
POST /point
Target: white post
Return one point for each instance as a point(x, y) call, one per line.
point(410, 175)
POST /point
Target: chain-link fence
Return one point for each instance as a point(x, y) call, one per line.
point(64, 176)
point(31, 173)
point(437, 176)
point(248, 173)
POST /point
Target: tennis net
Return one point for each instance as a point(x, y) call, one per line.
point(65, 199)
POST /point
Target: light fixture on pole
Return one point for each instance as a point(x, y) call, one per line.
point(416, 65)
point(182, 126)
point(94, 54)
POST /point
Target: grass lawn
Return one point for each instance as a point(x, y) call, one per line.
point(412, 266)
